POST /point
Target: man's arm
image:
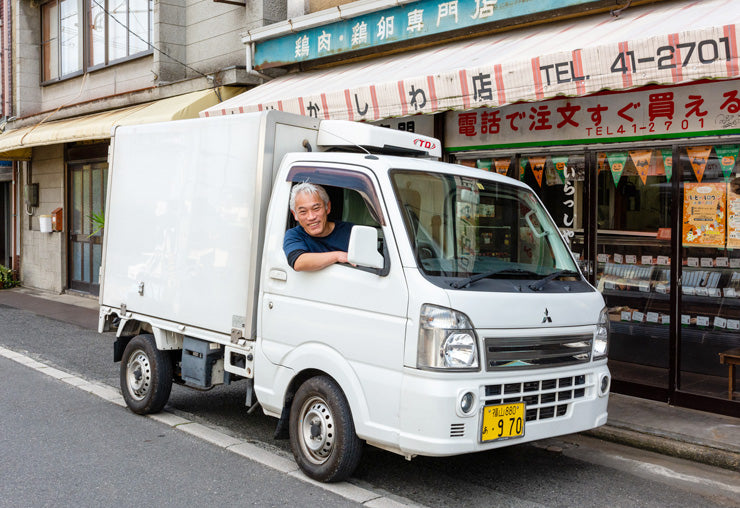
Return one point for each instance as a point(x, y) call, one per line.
point(312, 261)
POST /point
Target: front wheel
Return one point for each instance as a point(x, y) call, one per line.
point(146, 375)
point(322, 433)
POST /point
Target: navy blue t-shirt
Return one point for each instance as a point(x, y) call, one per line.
point(298, 242)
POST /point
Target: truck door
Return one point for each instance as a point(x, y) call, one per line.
point(342, 314)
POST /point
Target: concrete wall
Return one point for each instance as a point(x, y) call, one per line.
point(43, 265)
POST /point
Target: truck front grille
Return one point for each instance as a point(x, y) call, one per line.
point(505, 353)
point(548, 398)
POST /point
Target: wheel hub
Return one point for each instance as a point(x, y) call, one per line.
point(317, 430)
point(139, 375)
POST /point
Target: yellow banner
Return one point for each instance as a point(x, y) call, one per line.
point(641, 160)
point(537, 164)
point(502, 165)
point(698, 157)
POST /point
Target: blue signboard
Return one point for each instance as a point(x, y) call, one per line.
point(411, 21)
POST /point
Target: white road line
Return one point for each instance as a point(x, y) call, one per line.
point(675, 475)
point(220, 439)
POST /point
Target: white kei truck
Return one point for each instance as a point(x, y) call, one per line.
point(460, 324)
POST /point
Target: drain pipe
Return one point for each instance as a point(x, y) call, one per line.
point(250, 64)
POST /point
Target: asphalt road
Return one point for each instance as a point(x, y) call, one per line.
point(570, 471)
point(64, 447)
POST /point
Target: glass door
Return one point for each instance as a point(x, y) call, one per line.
point(709, 335)
point(87, 200)
point(633, 253)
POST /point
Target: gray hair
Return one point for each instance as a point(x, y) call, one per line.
point(307, 188)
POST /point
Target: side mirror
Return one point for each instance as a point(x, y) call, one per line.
point(363, 247)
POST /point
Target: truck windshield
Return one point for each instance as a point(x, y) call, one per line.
point(476, 228)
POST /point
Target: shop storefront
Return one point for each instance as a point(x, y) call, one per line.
point(627, 125)
point(646, 186)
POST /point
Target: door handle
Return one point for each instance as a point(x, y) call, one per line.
point(278, 274)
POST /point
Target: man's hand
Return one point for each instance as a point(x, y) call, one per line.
point(312, 261)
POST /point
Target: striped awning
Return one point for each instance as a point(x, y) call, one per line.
point(664, 43)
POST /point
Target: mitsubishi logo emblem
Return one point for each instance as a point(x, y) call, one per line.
point(546, 318)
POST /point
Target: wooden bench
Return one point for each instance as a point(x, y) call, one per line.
point(731, 358)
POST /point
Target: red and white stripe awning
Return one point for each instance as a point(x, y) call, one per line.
point(665, 43)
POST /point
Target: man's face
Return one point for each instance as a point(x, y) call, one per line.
point(311, 213)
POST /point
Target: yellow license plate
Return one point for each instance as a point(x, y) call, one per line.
point(503, 421)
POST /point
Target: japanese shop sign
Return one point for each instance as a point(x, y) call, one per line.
point(710, 108)
point(404, 23)
point(704, 214)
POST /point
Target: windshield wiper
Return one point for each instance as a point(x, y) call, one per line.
point(537, 286)
point(507, 271)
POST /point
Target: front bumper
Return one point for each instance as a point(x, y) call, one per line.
point(558, 401)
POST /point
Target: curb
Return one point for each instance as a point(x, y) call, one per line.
point(669, 446)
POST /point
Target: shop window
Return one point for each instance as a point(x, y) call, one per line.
point(106, 32)
point(710, 267)
point(633, 260)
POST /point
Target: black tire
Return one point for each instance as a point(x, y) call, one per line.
point(322, 432)
point(146, 375)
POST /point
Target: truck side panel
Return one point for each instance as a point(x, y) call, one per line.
point(180, 219)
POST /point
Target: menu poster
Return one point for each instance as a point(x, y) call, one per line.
point(727, 155)
point(733, 214)
point(560, 163)
point(698, 157)
point(502, 165)
point(537, 164)
point(667, 163)
point(704, 214)
point(641, 160)
point(616, 163)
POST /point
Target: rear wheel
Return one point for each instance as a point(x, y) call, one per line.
point(322, 432)
point(146, 375)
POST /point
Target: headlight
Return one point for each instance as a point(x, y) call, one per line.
point(446, 340)
point(601, 337)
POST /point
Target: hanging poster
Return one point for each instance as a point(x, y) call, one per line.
point(704, 215)
point(616, 163)
point(698, 157)
point(727, 156)
point(537, 165)
point(641, 160)
point(522, 165)
point(502, 166)
point(733, 214)
point(560, 163)
point(667, 163)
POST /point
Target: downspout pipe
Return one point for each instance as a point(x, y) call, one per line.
point(250, 64)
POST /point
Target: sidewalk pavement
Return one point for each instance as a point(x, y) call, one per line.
point(694, 435)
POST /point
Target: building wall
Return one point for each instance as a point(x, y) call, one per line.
point(193, 39)
point(43, 265)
